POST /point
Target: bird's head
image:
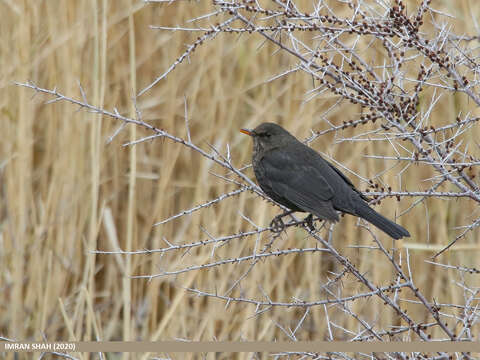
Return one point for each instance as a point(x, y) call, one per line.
point(268, 136)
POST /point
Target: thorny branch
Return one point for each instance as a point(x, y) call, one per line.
point(333, 50)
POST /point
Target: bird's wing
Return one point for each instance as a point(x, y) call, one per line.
point(347, 180)
point(299, 182)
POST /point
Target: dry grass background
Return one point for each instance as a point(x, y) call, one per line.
point(65, 191)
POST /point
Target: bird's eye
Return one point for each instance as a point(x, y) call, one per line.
point(265, 134)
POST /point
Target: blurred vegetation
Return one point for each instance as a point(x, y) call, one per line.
point(65, 191)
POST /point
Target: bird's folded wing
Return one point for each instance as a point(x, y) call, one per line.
point(300, 183)
point(347, 180)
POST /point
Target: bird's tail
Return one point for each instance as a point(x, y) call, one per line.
point(384, 224)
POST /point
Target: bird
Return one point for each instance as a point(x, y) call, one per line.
point(299, 178)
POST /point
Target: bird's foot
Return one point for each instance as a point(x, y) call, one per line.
point(309, 222)
point(277, 224)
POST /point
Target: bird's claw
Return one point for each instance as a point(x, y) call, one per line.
point(309, 222)
point(277, 224)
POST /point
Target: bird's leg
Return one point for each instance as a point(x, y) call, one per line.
point(309, 222)
point(277, 222)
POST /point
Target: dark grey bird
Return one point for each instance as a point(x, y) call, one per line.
point(297, 177)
